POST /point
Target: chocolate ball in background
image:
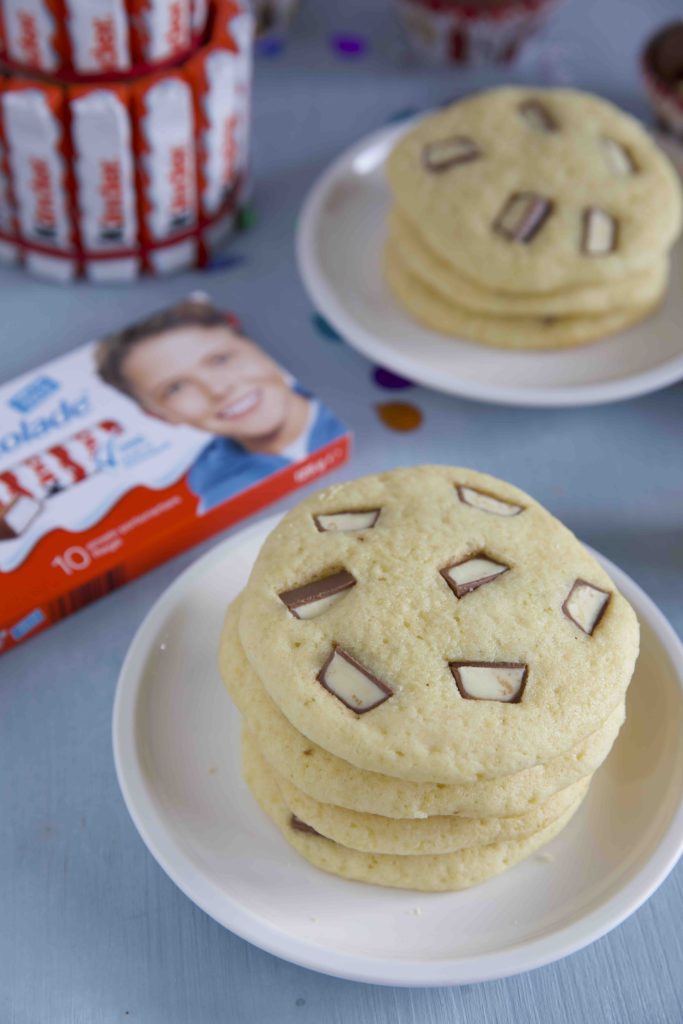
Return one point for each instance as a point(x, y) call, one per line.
point(471, 31)
point(662, 64)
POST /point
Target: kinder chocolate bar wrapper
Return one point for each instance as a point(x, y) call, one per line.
point(161, 29)
point(101, 134)
point(221, 78)
point(94, 491)
point(34, 33)
point(8, 248)
point(46, 473)
point(167, 180)
point(199, 17)
point(33, 128)
point(98, 36)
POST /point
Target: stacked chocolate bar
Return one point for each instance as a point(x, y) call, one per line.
point(429, 668)
point(530, 218)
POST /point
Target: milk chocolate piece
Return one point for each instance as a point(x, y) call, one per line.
point(471, 573)
point(600, 232)
point(446, 153)
point(522, 216)
point(619, 159)
point(664, 53)
point(351, 683)
point(490, 680)
point(585, 605)
point(487, 502)
point(17, 515)
point(347, 521)
point(538, 117)
point(300, 826)
point(313, 599)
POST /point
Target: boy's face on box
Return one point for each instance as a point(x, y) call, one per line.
point(209, 378)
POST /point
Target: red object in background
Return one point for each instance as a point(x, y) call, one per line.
point(141, 175)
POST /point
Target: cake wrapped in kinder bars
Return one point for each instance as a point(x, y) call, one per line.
point(102, 139)
point(34, 34)
point(34, 133)
point(221, 77)
point(9, 252)
point(99, 36)
point(167, 170)
point(132, 448)
point(161, 30)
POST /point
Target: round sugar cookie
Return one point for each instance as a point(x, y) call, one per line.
point(372, 833)
point(534, 190)
point(329, 779)
point(430, 269)
point(429, 307)
point(426, 873)
point(436, 624)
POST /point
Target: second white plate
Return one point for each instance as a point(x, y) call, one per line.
point(339, 243)
point(176, 744)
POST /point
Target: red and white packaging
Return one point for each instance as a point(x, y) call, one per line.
point(34, 33)
point(8, 248)
point(33, 128)
point(167, 181)
point(462, 32)
point(106, 200)
point(98, 36)
point(199, 17)
point(221, 77)
point(94, 491)
point(77, 458)
point(161, 29)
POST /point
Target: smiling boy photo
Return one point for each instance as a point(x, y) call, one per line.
point(190, 364)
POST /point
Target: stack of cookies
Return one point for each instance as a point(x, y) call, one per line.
point(429, 669)
point(530, 218)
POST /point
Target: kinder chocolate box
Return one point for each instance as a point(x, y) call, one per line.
point(132, 448)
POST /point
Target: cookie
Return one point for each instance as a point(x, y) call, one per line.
point(429, 307)
point(372, 833)
point(639, 290)
point(436, 624)
point(329, 779)
point(425, 873)
point(535, 190)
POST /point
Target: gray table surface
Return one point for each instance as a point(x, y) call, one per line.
point(91, 930)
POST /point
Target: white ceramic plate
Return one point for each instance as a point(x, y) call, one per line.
point(176, 745)
point(339, 242)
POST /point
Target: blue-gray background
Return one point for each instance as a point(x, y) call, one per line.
point(91, 930)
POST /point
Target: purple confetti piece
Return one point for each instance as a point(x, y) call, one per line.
point(348, 44)
point(272, 47)
point(225, 261)
point(389, 380)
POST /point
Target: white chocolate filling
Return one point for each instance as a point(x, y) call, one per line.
point(585, 605)
point(474, 570)
point(351, 685)
point(347, 522)
point(600, 232)
point(312, 609)
point(491, 682)
point(618, 158)
point(486, 503)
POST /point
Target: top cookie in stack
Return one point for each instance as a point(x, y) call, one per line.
point(427, 641)
point(530, 218)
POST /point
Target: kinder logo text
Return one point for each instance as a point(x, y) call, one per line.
point(41, 184)
point(180, 181)
point(28, 38)
point(104, 49)
point(31, 429)
point(111, 191)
